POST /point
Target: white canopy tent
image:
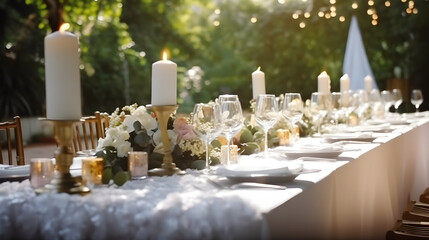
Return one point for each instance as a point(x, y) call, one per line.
point(356, 63)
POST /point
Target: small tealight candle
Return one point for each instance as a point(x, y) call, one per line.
point(164, 82)
point(345, 83)
point(92, 171)
point(233, 157)
point(258, 83)
point(284, 137)
point(323, 83)
point(138, 164)
point(368, 83)
point(41, 171)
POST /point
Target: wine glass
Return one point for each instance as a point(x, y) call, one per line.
point(386, 98)
point(232, 121)
point(397, 98)
point(416, 98)
point(292, 108)
point(266, 115)
point(319, 107)
point(207, 124)
point(336, 106)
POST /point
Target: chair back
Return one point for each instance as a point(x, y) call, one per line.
point(13, 143)
point(87, 132)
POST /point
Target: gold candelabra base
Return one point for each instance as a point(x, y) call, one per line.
point(63, 181)
point(168, 167)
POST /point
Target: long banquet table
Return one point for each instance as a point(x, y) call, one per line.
point(360, 195)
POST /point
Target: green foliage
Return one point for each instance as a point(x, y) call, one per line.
point(119, 40)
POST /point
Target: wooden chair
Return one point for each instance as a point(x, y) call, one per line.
point(19, 146)
point(87, 132)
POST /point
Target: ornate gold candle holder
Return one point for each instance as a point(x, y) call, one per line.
point(168, 167)
point(63, 181)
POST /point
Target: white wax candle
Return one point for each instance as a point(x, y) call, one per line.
point(345, 83)
point(258, 83)
point(62, 76)
point(323, 83)
point(368, 83)
point(164, 82)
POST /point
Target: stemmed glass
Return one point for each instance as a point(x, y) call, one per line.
point(386, 98)
point(319, 105)
point(232, 120)
point(416, 98)
point(207, 124)
point(292, 107)
point(336, 106)
point(266, 115)
point(397, 98)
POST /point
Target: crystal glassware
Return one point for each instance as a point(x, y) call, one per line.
point(319, 106)
point(416, 98)
point(232, 120)
point(386, 98)
point(207, 124)
point(336, 106)
point(266, 115)
point(397, 98)
point(293, 107)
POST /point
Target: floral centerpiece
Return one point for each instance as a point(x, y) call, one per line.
point(133, 128)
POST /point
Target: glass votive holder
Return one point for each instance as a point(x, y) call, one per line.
point(92, 171)
point(138, 164)
point(284, 137)
point(233, 157)
point(41, 171)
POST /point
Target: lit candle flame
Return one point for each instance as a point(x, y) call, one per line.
point(164, 56)
point(259, 69)
point(64, 27)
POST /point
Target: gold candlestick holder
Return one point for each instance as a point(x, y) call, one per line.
point(63, 181)
point(168, 167)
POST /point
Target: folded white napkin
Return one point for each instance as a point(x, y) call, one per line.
point(14, 171)
point(261, 167)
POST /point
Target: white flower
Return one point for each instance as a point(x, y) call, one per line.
point(146, 120)
point(123, 148)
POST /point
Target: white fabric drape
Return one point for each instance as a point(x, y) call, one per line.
point(356, 63)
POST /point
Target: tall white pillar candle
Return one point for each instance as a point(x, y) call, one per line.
point(62, 76)
point(258, 83)
point(164, 82)
point(323, 83)
point(368, 83)
point(345, 83)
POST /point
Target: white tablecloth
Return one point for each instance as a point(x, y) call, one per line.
point(358, 196)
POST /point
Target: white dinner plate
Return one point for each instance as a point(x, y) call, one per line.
point(359, 137)
point(321, 151)
point(262, 172)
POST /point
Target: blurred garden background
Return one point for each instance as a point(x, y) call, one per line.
point(217, 44)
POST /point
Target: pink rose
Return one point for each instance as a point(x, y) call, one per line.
point(183, 129)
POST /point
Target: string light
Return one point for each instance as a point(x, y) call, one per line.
point(374, 22)
point(415, 11)
point(253, 20)
point(217, 11)
point(333, 14)
point(342, 19)
point(371, 3)
point(387, 3)
point(216, 23)
point(307, 14)
point(302, 24)
point(295, 15)
point(321, 14)
point(355, 5)
point(333, 8)
point(332, 1)
point(327, 15)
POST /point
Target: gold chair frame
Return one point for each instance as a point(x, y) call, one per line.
point(19, 145)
